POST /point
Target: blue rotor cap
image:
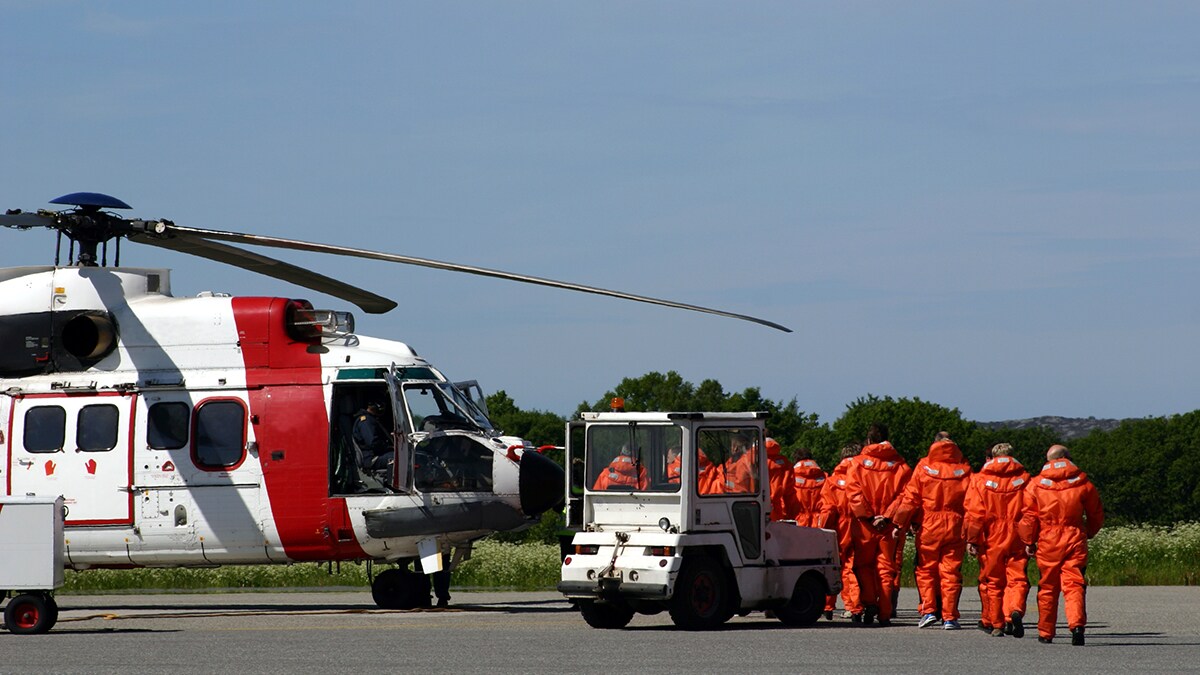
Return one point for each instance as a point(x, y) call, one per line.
point(95, 199)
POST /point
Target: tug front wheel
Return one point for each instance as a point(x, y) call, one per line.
point(703, 599)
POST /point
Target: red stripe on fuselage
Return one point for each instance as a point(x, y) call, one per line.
point(283, 379)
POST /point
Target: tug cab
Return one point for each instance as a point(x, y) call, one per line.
point(672, 514)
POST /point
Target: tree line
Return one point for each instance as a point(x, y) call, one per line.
point(1147, 470)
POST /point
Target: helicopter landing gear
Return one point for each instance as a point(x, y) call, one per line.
point(400, 589)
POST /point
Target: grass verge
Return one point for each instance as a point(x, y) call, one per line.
point(1119, 556)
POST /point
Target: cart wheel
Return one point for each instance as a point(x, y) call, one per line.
point(30, 613)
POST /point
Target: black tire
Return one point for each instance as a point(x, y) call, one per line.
point(605, 615)
point(703, 599)
point(30, 613)
point(400, 589)
point(807, 603)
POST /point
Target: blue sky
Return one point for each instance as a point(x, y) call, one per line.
point(987, 205)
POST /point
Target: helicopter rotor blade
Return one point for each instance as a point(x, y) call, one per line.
point(248, 260)
point(22, 220)
point(276, 242)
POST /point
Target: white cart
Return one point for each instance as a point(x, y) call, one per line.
point(31, 561)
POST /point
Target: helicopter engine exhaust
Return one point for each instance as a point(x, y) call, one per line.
point(89, 336)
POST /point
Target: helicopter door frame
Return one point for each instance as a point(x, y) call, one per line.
point(402, 479)
point(95, 483)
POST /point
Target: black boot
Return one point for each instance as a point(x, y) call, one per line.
point(1077, 636)
point(1018, 627)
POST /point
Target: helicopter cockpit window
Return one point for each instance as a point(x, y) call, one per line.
point(96, 428)
point(167, 425)
point(452, 462)
point(220, 434)
point(727, 461)
point(634, 458)
point(438, 406)
point(45, 428)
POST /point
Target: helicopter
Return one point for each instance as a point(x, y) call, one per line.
point(219, 430)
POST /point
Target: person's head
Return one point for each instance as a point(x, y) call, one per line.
point(672, 453)
point(802, 454)
point(941, 436)
point(373, 407)
point(1057, 452)
point(1000, 450)
point(877, 433)
point(850, 450)
point(628, 450)
point(739, 444)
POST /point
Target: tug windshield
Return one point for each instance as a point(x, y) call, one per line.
point(633, 458)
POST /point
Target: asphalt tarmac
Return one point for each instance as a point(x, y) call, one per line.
point(1132, 630)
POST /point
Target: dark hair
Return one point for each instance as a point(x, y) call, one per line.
point(802, 453)
point(878, 433)
point(850, 450)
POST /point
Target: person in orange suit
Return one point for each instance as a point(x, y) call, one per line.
point(938, 489)
point(1062, 511)
point(874, 479)
point(994, 505)
point(836, 515)
point(708, 475)
point(739, 473)
point(779, 472)
point(674, 465)
point(807, 483)
point(624, 472)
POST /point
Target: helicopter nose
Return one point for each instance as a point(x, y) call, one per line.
point(541, 483)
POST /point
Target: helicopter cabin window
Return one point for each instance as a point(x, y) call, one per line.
point(45, 428)
point(167, 425)
point(727, 461)
point(96, 428)
point(220, 441)
point(634, 458)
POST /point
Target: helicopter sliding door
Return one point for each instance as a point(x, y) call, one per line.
point(78, 446)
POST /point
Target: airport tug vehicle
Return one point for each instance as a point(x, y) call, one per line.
point(672, 512)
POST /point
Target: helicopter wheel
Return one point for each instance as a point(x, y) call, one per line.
point(400, 589)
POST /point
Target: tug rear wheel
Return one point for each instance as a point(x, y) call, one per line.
point(806, 604)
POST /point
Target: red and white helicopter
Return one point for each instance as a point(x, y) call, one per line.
point(219, 430)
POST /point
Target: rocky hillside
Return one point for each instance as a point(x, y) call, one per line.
point(1066, 427)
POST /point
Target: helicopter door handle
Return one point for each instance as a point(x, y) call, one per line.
point(25, 462)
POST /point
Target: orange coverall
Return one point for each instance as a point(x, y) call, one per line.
point(994, 506)
point(739, 475)
point(779, 472)
point(836, 515)
point(808, 481)
point(937, 489)
point(621, 474)
point(707, 475)
point(874, 479)
point(1062, 511)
